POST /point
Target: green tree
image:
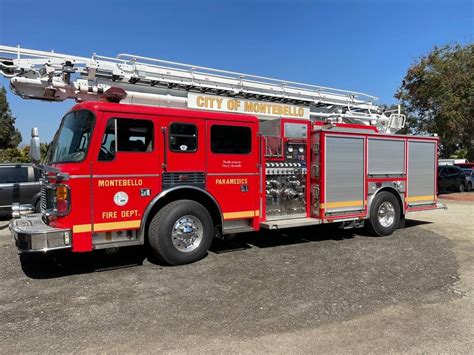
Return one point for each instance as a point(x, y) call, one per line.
point(437, 97)
point(10, 137)
point(20, 155)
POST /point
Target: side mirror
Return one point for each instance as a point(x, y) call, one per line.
point(35, 151)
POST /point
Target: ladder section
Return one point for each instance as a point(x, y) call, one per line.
point(52, 76)
point(99, 71)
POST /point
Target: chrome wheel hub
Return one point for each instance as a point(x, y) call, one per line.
point(187, 233)
point(386, 214)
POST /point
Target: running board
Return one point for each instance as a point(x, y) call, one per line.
point(290, 223)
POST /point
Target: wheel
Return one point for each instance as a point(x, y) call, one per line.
point(469, 186)
point(461, 187)
point(384, 214)
point(181, 232)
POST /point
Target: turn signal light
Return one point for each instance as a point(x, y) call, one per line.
point(61, 192)
point(62, 200)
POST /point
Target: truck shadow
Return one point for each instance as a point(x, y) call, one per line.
point(61, 264)
point(291, 236)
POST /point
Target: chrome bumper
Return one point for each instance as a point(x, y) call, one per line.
point(31, 234)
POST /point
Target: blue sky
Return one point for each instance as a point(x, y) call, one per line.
point(364, 45)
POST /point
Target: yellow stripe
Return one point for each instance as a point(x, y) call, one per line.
point(419, 198)
point(81, 228)
point(243, 214)
point(343, 204)
point(99, 227)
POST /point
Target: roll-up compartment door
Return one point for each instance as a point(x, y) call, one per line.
point(386, 157)
point(344, 174)
point(421, 187)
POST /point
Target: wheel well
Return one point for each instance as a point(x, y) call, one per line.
point(186, 194)
point(397, 195)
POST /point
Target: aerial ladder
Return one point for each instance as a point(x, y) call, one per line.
point(51, 76)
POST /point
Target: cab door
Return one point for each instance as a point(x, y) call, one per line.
point(232, 166)
point(125, 176)
point(184, 152)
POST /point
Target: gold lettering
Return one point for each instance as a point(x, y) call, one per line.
point(119, 182)
point(130, 213)
point(109, 214)
point(230, 181)
point(200, 101)
point(248, 106)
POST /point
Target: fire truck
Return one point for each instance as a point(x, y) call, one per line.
point(171, 155)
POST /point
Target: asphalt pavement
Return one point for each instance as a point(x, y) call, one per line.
point(311, 290)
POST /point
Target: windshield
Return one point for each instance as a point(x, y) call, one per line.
point(72, 139)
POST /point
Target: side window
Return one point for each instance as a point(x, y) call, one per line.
point(126, 135)
point(183, 137)
point(231, 139)
point(452, 170)
point(13, 174)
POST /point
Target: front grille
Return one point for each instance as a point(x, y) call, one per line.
point(47, 196)
point(183, 178)
point(43, 196)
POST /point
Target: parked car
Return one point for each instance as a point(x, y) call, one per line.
point(469, 178)
point(465, 165)
point(19, 183)
point(451, 178)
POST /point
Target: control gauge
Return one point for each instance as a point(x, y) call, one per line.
point(290, 149)
point(301, 149)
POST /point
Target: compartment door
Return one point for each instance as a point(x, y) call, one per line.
point(421, 185)
point(344, 175)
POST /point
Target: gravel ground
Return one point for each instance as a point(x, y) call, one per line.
point(309, 290)
point(458, 196)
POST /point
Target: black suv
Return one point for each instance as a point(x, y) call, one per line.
point(19, 183)
point(451, 178)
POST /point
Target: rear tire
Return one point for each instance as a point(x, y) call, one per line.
point(384, 215)
point(461, 187)
point(181, 232)
point(469, 187)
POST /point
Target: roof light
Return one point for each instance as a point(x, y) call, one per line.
point(114, 94)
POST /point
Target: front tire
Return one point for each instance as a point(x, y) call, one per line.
point(384, 214)
point(461, 187)
point(469, 187)
point(181, 232)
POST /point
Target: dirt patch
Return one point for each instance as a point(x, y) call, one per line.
point(458, 196)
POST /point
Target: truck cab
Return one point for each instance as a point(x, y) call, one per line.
point(112, 167)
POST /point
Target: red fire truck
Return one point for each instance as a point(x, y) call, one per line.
point(169, 155)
